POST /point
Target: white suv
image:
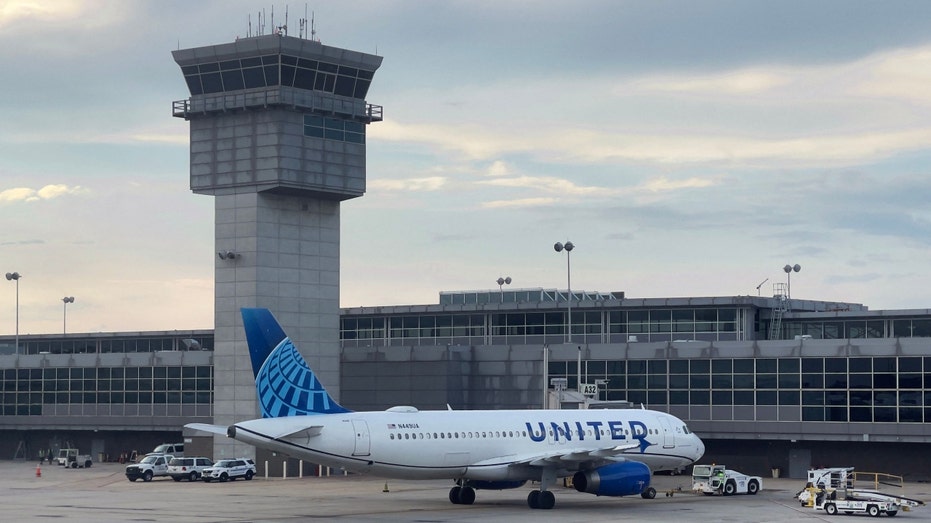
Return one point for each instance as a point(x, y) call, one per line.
point(230, 469)
point(188, 468)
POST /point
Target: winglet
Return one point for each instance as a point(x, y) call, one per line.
point(283, 381)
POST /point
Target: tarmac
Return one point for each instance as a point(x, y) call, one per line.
point(103, 494)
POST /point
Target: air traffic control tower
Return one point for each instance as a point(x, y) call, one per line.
point(278, 138)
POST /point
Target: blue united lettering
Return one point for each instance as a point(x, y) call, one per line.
point(564, 431)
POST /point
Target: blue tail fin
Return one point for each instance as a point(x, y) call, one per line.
point(284, 382)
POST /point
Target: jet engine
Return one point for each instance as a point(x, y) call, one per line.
point(618, 479)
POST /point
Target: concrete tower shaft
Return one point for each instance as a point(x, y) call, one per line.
point(277, 128)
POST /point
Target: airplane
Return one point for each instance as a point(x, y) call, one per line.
point(609, 452)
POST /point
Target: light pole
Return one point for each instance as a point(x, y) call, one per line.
point(501, 282)
point(559, 247)
point(789, 269)
point(16, 276)
point(64, 314)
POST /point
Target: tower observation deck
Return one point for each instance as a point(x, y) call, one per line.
point(277, 113)
point(277, 127)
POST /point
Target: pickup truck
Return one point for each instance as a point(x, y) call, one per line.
point(152, 465)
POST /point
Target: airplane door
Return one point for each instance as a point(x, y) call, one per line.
point(363, 440)
point(669, 434)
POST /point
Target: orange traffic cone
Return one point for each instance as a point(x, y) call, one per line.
point(38, 471)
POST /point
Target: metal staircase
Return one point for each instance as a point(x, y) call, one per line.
point(782, 305)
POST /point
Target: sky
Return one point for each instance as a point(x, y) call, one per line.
point(686, 148)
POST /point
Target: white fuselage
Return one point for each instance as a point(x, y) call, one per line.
point(479, 445)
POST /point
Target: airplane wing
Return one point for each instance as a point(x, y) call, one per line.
point(565, 459)
point(205, 427)
point(281, 431)
point(570, 459)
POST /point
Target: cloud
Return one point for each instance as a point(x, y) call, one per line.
point(663, 184)
point(777, 116)
point(24, 242)
point(29, 14)
point(733, 82)
point(523, 202)
point(498, 168)
point(546, 184)
point(427, 184)
point(48, 192)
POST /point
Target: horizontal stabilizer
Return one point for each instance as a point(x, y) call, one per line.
point(205, 427)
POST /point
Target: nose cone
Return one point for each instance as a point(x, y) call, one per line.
point(699, 448)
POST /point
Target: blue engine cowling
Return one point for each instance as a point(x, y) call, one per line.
point(618, 479)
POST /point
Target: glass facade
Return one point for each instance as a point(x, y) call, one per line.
point(26, 392)
point(334, 129)
point(831, 389)
point(277, 70)
point(542, 326)
point(105, 344)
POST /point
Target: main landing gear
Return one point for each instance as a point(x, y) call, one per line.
point(462, 495)
point(543, 499)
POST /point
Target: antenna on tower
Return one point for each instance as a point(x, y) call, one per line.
point(302, 24)
point(313, 30)
point(283, 29)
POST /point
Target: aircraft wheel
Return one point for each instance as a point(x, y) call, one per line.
point(454, 495)
point(533, 499)
point(649, 493)
point(547, 500)
point(466, 495)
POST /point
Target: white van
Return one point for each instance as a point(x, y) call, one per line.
point(175, 449)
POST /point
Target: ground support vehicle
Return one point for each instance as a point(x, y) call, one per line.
point(190, 469)
point(833, 491)
point(230, 469)
point(152, 465)
point(718, 479)
point(831, 507)
point(72, 458)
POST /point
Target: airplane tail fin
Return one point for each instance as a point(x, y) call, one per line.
point(283, 381)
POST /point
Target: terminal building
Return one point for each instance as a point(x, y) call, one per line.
point(277, 138)
point(838, 384)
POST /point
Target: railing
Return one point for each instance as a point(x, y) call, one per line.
point(879, 478)
point(281, 96)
